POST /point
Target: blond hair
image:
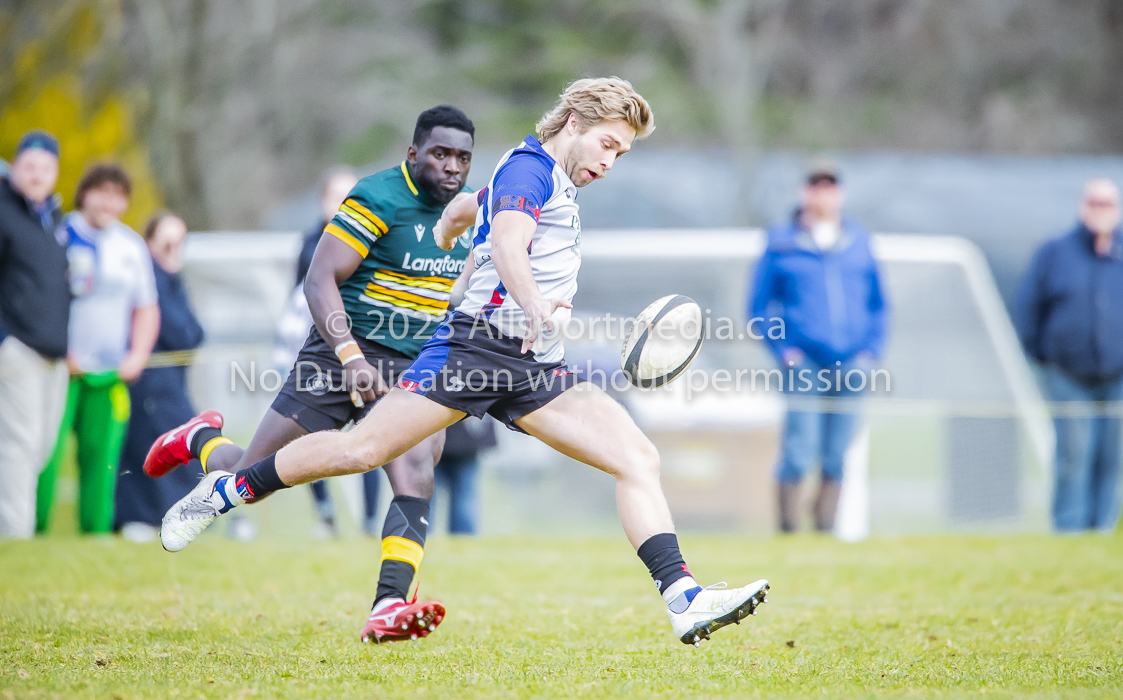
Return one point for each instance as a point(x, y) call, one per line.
point(594, 100)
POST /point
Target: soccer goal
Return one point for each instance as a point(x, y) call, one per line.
point(961, 440)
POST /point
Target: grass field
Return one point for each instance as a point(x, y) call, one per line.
point(1023, 616)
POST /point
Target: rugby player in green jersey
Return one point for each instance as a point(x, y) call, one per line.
point(377, 288)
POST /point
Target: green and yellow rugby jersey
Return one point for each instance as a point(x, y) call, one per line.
point(399, 293)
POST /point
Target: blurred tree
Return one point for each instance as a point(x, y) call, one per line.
point(239, 105)
point(46, 82)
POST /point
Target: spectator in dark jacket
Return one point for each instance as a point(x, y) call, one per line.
point(34, 315)
point(819, 276)
point(159, 396)
point(1070, 318)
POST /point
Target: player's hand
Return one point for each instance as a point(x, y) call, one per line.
point(455, 220)
point(444, 242)
point(538, 314)
point(359, 377)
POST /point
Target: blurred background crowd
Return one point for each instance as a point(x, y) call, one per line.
point(1000, 122)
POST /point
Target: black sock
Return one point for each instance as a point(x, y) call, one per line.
point(403, 545)
point(201, 438)
point(257, 481)
point(661, 555)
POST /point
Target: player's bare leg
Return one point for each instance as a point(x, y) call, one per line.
point(274, 432)
point(411, 477)
point(586, 424)
point(396, 424)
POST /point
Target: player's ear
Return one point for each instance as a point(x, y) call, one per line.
point(411, 154)
point(573, 124)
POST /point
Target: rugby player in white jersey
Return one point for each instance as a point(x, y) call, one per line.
point(491, 355)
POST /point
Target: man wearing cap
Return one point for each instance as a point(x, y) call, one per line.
point(819, 276)
point(34, 314)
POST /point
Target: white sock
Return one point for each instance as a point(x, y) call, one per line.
point(678, 590)
point(385, 603)
point(227, 491)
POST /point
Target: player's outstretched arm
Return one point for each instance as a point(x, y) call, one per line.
point(455, 220)
point(511, 233)
point(333, 262)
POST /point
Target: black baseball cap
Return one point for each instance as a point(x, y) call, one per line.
point(822, 170)
point(37, 139)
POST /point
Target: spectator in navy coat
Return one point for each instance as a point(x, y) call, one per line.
point(1070, 318)
point(159, 396)
point(819, 276)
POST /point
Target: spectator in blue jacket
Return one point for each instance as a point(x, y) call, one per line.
point(819, 276)
point(1070, 318)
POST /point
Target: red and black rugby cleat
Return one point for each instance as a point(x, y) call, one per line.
point(400, 621)
point(173, 448)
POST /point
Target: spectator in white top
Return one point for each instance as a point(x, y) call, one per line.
point(114, 321)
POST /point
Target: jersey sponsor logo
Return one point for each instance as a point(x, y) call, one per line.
point(454, 383)
point(419, 229)
point(435, 266)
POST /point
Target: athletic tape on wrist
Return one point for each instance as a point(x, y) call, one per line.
point(348, 352)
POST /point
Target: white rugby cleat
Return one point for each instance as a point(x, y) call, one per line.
point(192, 514)
point(715, 607)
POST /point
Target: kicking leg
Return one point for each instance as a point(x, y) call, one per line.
point(397, 423)
point(586, 424)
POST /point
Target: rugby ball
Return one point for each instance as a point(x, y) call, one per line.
point(662, 342)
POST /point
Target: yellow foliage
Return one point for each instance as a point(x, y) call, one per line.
point(87, 134)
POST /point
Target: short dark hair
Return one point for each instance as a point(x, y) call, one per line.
point(100, 175)
point(442, 115)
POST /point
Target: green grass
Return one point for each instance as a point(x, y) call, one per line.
point(945, 617)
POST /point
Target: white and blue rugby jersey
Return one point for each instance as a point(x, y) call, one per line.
point(528, 179)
